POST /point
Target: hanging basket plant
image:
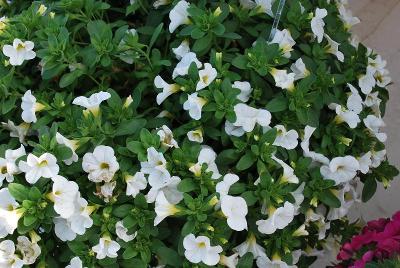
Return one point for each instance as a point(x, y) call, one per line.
point(184, 133)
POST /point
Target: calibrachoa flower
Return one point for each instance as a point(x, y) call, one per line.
point(19, 51)
point(36, 167)
point(101, 164)
point(29, 107)
point(106, 248)
point(199, 249)
point(92, 104)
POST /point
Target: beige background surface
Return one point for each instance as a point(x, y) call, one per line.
point(380, 30)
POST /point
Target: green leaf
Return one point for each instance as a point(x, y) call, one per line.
point(369, 188)
point(122, 211)
point(329, 199)
point(35, 194)
point(246, 161)
point(246, 261)
point(69, 78)
point(18, 191)
point(202, 43)
point(62, 152)
point(187, 185)
point(169, 257)
point(129, 127)
point(29, 220)
point(277, 104)
point(240, 62)
point(129, 253)
point(155, 35)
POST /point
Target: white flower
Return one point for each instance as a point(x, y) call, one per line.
point(223, 186)
point(283, 79)
point(347, 17)
point(299, 69)
point(250, 245)
point(367, 82)
point(168, 89)
point(8, 258)
point(247, 4)
point(207, 156)
point(278, 219)
point(72, 144)
point(265, 6)
point(245, 90)
point(195, 135)
point(19, 131)
point(288, 172)
point(163, 208)
point(122, 232)
point(194, 104)
point(92, 104)
point(333, 48)
point(167, 185)
point(376, 64)
point(382, 78)
point(247, 117)
point(377, 158)
point(167, 137)
point(341, 169)
point(29, 107)
point(29, 251)
point(298, 197)
point(181, 50)
point(347, 196)
point(155, 166)
point(365, 161)
point(135, 183)
point(198, 249)
point(233, 130)
point(305, 145)
point(179, 15)
point(182, 68)
point(159, 3)
point(235, 210)
point(206, 76)
point(286, 139)
point(101, 164)
point(8, 166)
point(19, 51)
point(285, 41)
point(63, 195)
point(36, 167)
point(265, 262)
point(344, 115)
point(374, 123)
point(372, 100)
point(75, 262)
point(231, 261)
point(354, 101)
point(318, 24)
point(106, 191)
point(106, 248)
point(9, 215)
point(62, 229)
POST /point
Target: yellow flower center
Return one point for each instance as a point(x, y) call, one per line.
point(43, 163)
point(3, 170)
point(20, 46)
point(205, 79)
point(201, 245)
point(104, 165)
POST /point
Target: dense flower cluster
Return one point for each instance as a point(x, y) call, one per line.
point(178, 134)
point(378, 240)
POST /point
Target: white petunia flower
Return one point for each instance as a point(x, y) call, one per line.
point(265, 6)
point(367, 82)
point(19, 51)
point(247, 117)
point(285, 41)
point(182, 49)
point(75, 262)
point(382, 78)
point(106, 248)
point(347, 17)
point(163, 208)
point(264, 262)
point(288, 175)
point(80, 220)
point(179, 15)
point(9, 214)
point(333, 48)
point(318, 24)
point(36, 167)
point(377, 158)
point(136, 183)
point(72, 144)
point(122, 232)
point(286, 139)
point(278, 219)
point(233, 130)
point(101, 164)
point(168, 89)
point(8, 257)
point(167, 185)
point(372, 100)
point(299, 69)
point(250, 245)
point(63, 195)
point(347, 196)
point(235, 210)
point(155, 166)
point(223, 186)
point(341, 169)
point(194, 105)
point(245, 90)
point(182, 68)
point(354, 101)
point(305, 145)
point(92, 104)
point(208, 156)
point(62, 229)
point(376, 64)
point(106, 191)
point(195, 135)
point(8, 166)
point(29, 107)
point(374, 123)
point(206, 76)
point(167, 137)
point(198, 249)
point(229, 261)
point(344, 115)
point(29, 251)
point(283, 79)
point(365, 161)
point(20, 131)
